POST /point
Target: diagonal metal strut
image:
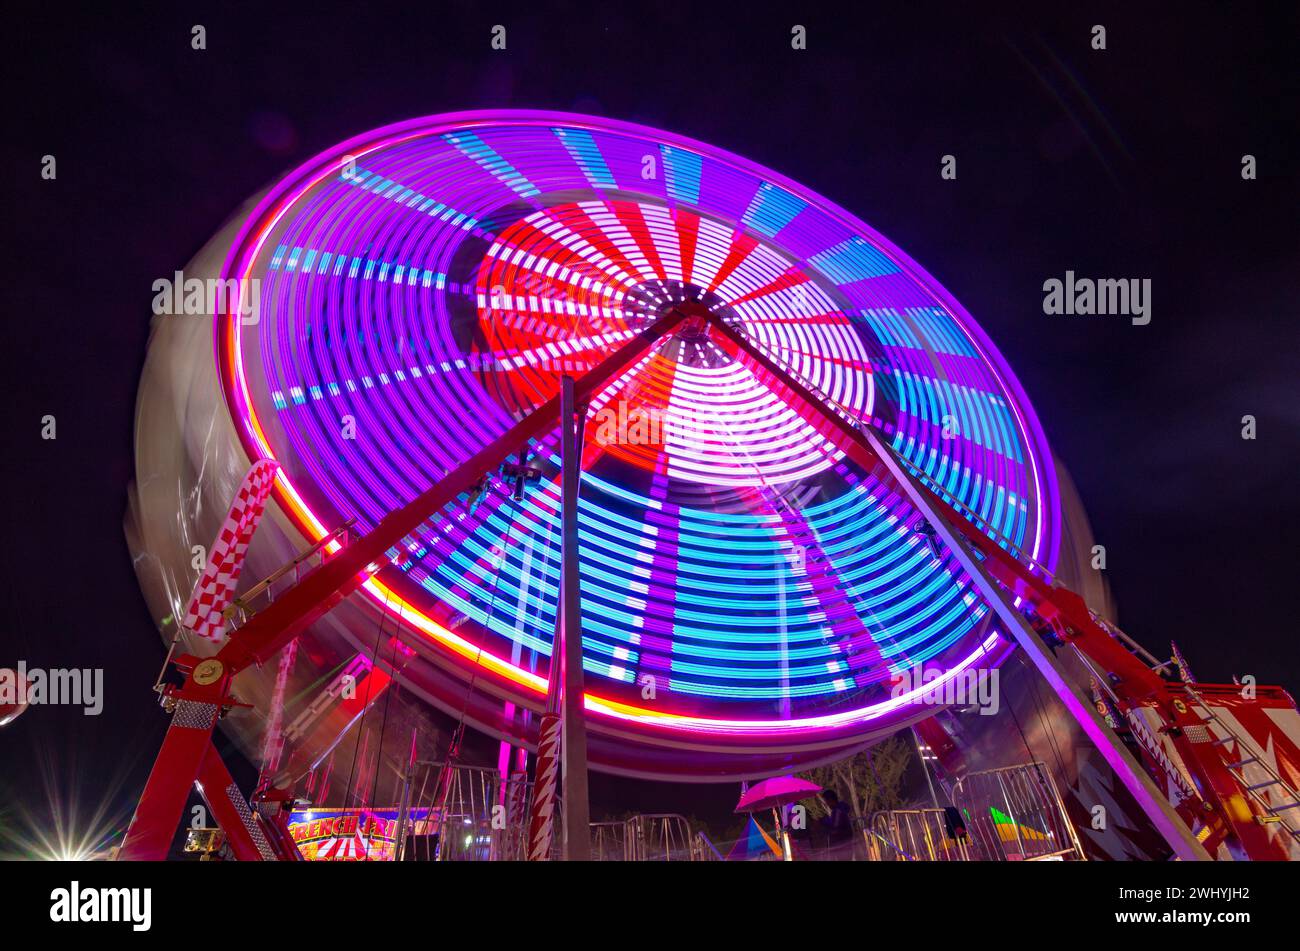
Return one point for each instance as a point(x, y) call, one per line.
point(867, 450)
point(319, 592)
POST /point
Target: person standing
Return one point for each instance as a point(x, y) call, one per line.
point(837, 826)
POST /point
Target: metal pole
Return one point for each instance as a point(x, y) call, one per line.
point(404, 810)
point(573, 745)
point(541, 813)
point(920, 751)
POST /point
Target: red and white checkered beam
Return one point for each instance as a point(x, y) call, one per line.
point(215, 588)
point(541, 824)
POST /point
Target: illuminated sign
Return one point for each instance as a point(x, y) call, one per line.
point(350, 835)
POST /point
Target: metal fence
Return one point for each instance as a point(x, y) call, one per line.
point(1016, 814)
point(912, 835)
point(665, 837)
point(608, 841)
point(456, 813)
point(466, 815)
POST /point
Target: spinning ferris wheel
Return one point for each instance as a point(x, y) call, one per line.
point(557, 375)
point(749, 595)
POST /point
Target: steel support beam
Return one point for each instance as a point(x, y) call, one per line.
point(867, 450)
point(244, 835)
point(207, 685)
point(568, 652)
point(194, 711)
point(1130, 772)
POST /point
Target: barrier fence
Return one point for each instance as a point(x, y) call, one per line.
point(457, 813)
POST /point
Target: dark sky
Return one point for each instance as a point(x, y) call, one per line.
point(1122, 163)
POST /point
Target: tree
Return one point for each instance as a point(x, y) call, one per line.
point(867, 781)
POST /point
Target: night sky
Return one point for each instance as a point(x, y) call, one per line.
point(1117, 163)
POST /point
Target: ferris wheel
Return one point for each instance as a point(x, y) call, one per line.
point(750, 595)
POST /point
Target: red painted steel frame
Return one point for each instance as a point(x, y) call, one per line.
point(187, 742)
point(187, 745)
point(244, 836)
point(286, 617)
point(573, 741)
point(1224, 804)
point(202, 699)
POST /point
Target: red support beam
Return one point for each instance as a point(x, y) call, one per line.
point(195, 709)
point(1061, 607)
point(187, 754)
point(1064, 609)
point(1217, 784)
point(244, 836)
point(319, 592)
